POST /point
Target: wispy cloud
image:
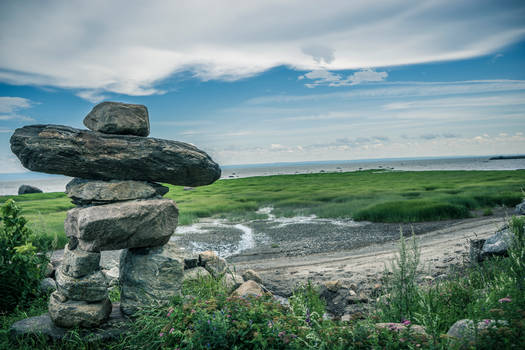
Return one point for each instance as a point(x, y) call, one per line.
point(131, 54)
point(11, 106)
point(402, 89)
point(323, 77)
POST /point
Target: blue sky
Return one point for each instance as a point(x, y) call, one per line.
point(269, 81)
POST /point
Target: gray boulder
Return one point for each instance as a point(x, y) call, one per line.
point(24, 189)
point(118, 118)
point(78, 263)
point(58, 149)
point(520, 208)
point(248, 288)
point(231, 281)
point(497, 244)
point(132, 224)
point(213, 263)
point(195, 274)
point(68, 313)
point(252, 275)
point(39, 325)
point(92, 287)
point(85, 192)
point(48, 285)
point(149, 276)
point(464, 331)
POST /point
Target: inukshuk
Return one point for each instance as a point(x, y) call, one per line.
point(119, 206)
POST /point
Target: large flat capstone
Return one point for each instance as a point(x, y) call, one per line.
point(59, 149)
point(132, 224)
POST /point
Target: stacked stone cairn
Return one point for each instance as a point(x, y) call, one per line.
point(119, 206)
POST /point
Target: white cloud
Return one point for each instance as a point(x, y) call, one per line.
point(125, 47)
point(18, 117)
point(324, 77)
point(12, 104)
point(403, 89)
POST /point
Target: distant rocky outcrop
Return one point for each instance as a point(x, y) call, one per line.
point(24, 189)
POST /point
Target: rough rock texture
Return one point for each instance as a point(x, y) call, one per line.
point(195, 273)
point(115, 326)
point(498, 244)
point(520, 208)
point(232, 281)
point(92, 287)
point(149, 276)
point(212, 262)
point(79, 263)
point(71, 313)
point(57, 149)
point(248, 288)
point(48, 285)
point(85, 192)
point(464, 331)
point(336, 298)
point(28, 189)
point(252, 275)
point(37, 325)
point(118, 118)
point(132, 224)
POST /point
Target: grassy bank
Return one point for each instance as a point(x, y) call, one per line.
point(380, 196)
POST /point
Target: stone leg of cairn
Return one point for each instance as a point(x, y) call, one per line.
point(149, 277)
point(81, 298)
point(139, 224)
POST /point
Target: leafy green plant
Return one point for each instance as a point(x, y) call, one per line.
point(21, 268)
point(402, 295)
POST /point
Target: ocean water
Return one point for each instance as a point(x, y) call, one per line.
point(9, 183)
point(429, 164)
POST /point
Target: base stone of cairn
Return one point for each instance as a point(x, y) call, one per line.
point(118, 207)
point(149, 276)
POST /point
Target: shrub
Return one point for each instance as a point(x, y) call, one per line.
point(21, 268)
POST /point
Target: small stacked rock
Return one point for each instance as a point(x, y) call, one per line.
point(119, 206)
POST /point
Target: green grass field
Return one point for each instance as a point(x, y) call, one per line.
point(374, 195)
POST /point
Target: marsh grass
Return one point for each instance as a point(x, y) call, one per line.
point(381, 196)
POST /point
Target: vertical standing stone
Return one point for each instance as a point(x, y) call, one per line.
point(149, 276)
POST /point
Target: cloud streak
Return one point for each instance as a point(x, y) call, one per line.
point(127, 48)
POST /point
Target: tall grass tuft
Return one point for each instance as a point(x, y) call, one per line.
point(400, 282)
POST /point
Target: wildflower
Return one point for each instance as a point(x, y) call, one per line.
point(505, 300)
point(172, 330)
point(487, 321)
point(170, 311)
point(406, 323)
point(161, 334)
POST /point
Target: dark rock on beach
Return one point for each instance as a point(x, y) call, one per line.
point(24, 189)
point(85, 192)
point(118, 118)
point(57, 149)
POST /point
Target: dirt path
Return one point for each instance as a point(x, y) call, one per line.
point(440, 249)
